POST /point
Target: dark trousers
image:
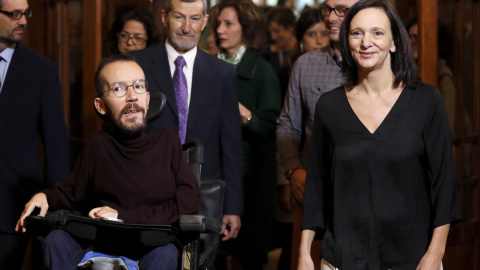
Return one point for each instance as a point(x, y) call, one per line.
point(12, 250)
point(62, 252)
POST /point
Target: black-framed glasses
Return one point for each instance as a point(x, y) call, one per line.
point(17, 14)
point(120, 89)
point(339, 11)
point(136, 39)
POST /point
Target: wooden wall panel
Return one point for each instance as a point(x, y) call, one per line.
point(427, 54)
point(92, 46)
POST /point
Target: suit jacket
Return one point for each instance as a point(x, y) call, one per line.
point(30, 110)
point(213, 116)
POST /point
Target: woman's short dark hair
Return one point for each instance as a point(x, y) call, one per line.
point(308, 18)
point(140, 14)
point(283, 16)
point(402, 62)
point(252, 23)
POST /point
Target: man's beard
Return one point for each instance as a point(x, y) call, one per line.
point(12, 38)
point(113, 123)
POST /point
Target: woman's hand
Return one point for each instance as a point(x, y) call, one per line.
point(104, 211)
point(39, 200)
point(305, 261)
point(245, 114)
point(430, 261)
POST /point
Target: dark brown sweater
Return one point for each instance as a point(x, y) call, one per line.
point(147, 179)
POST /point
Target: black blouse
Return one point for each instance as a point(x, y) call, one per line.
point(376, 198)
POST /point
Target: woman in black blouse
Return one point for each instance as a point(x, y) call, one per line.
point(380, 187)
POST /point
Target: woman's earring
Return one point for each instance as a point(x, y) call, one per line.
point(301, 47)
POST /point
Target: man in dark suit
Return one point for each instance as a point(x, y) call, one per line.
point(30, 110)
point(208, 109)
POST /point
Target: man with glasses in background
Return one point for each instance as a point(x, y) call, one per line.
point(31, 111)
point(314, 74)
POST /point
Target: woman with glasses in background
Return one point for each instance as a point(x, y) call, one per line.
point(131, 31)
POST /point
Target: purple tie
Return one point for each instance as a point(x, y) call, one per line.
point(181, 94)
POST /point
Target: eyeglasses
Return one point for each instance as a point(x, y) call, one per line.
point(125, 36)
point(121, 89)
point(17, 14)
point(339, 11)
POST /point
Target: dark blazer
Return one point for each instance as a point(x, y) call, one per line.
point(30, 110)
point(213, 116)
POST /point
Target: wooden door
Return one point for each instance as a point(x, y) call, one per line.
point(460, 19)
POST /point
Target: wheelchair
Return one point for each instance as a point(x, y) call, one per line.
point(196, 236)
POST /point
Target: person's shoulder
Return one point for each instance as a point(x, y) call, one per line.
point(335, 94)
point(97, 139)
point(213, 62)
point(330, 102)
point(149, 53)
point(317, 56)
point(32, 58)
point(258, 63)
point(423, 90)
point(163, 134)
point(424, 94)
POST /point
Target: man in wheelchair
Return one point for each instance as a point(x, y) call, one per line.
point(123, 173)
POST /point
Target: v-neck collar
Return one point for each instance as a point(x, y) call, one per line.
point(384, 119)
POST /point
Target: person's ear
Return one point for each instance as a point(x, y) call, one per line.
point(205, 20)
point(100, 106)
point(164, 18)
point(393, 48)
point(148, 100)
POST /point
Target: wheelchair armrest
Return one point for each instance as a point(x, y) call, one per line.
point(198, 223)
point(42, 226)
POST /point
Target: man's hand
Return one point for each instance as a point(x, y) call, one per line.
point(39, 200)
point(287, 202)
point(297, 183)
point(230, 226)
point(104, 211)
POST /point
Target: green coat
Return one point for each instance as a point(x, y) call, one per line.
point(259, 91)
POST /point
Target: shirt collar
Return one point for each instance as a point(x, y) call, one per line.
point(7, 54)
point(188, 56)
point(236, 58)
point(334, 57)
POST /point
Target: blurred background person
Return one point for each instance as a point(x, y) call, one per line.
point(131, 31)
point(446, 84)
point(239, 36)
point(211, 44)
point(312, 34)
point(281, 24)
